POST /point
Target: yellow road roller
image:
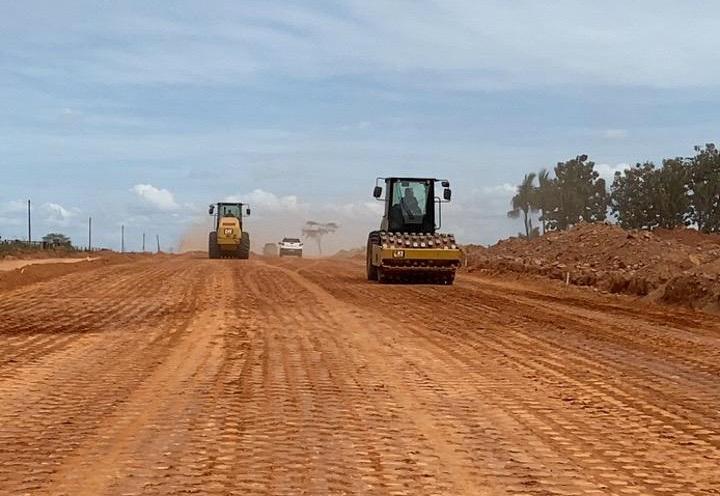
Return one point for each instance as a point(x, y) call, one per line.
point(229, 239)
point(408, 247)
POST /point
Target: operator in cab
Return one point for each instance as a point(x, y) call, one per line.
point(410, 204)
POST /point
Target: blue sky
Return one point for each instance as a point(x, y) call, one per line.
point(142, 113)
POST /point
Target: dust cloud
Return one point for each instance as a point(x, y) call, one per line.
point(272, 227)
point(195, 237)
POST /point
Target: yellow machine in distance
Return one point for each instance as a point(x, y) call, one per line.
point(408, 248)
point(229, 239)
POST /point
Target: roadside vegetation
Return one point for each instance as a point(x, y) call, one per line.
point(681, 192)
point(55, 243)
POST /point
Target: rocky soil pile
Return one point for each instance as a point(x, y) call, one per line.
point(678, 266)
point(31, 274)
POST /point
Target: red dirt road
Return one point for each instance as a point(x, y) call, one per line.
point(181, 375)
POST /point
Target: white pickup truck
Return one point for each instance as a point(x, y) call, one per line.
point(292, 247)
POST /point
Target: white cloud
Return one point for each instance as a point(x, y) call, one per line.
point(364, 210)
point(266, 201)
point(161, 199)
point(502, 190)
point(608, 171)
point(57, 214)
point(49, 215)
point(470, 44)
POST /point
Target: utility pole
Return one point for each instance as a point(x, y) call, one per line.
point(143, 242)
point(122, 238)
point(157, 236)
point(89, 233)
point(29, 224)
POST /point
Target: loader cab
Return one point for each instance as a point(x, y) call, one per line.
point(225, 210)
point(411, 204)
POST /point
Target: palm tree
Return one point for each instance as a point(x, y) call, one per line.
point(525, 201)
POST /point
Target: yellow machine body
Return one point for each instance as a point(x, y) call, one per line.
point(228, 239)
point(398, 252)
point(229, 233)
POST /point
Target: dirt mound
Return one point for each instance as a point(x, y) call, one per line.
point(690, 237)
point(678, 266)
point(354, 253)
point(474, 254)
point(31, 274)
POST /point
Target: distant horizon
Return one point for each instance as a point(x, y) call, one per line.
point(143, 114)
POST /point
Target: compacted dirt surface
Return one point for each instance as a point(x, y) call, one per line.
point(181, 375)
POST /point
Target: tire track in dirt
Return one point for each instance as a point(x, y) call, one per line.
point(595, 359)
point(120, 436)
point(594, 353)
point(452, 334)
point(138, 448)
point(43, 319)
point(307, 400)
point(52, 403)
point(183, 375)
point(601, 357)
point(419, 395)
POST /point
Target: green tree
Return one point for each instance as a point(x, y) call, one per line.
point(631, 197)
point(646, 197)
point(524, 203)
point(544, 197)
point(56, 239)
point(705, 186)
point(580, 194)
point(318, 230)
point(670, 192)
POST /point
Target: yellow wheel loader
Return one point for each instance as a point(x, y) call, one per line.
point(229, 240)
point(408, 248)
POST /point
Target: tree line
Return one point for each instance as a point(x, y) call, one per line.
point(683, 191)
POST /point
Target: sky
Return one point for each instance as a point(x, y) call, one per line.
point(142, 113)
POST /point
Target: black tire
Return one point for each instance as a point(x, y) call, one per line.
point(244, 248)
point(372, 270)
point(213, 249)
